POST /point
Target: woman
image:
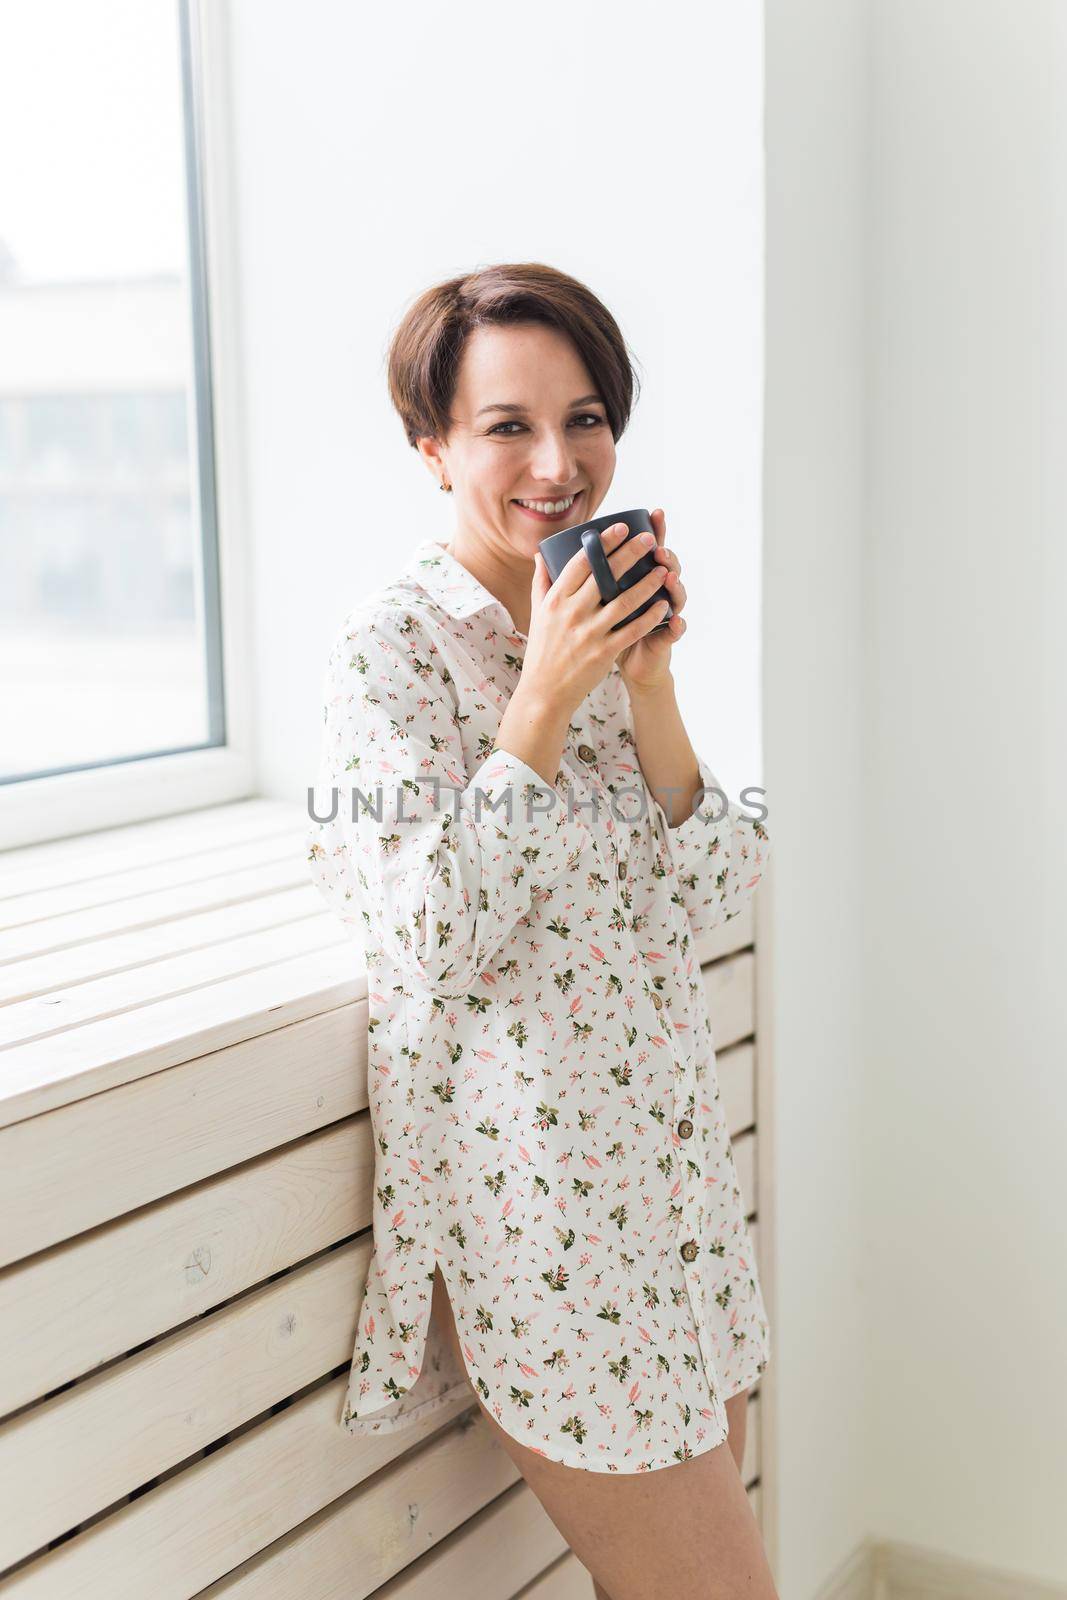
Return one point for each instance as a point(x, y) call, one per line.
point(556, 1218)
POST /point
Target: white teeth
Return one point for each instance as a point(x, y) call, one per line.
point(552, 508)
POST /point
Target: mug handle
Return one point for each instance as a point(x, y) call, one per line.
point(606, 581)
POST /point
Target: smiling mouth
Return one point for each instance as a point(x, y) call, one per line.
point(550, 510)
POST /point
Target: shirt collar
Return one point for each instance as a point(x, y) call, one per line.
point(447, 580)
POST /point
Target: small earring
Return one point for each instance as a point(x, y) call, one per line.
point(447, 487)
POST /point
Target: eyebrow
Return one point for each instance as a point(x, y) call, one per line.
point(583, 400)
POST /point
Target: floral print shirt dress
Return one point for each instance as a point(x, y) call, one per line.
point(541, 1074)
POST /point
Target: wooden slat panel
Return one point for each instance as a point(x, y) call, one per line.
point(504, 1546)
point(37, 939)
point(731, 992)
point(353, 1547)
point(564, 1580)
point(100, 1055)
point(744, 1149)
point(756, 1235)
point(66, 1459)
point(120, 952)
point(200, 1523)
point(125, 889)
point(95, 1159)
point(45, 866)
point(46, 1017)
point(736, 1070)
point(67, 1310)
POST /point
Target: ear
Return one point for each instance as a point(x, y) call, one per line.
point(432, 454)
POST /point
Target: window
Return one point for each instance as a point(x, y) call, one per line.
point(110, 621)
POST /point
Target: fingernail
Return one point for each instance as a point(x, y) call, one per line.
point(648, 538)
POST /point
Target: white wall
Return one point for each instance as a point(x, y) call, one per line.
point(817, 102)
point(916, 676)
point(382, 149)
point(965, 760)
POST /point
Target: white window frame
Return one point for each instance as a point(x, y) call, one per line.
point(63, 805)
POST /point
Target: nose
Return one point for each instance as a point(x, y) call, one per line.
point(554, 458)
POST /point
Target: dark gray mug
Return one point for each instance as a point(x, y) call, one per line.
point(559, 548)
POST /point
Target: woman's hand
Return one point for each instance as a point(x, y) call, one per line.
point(571, 646)
point(646, 664)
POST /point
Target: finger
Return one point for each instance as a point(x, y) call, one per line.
point(542, 579)
point(578, 573)
point(667, 558)
point(640, 626)
point(676, 590)
point(618, 535)
point(635, 595)
point(659, 524)
point(634, 550)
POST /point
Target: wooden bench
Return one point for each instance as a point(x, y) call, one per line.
point(186, 1170)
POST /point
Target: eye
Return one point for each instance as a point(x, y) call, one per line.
point(585, 417)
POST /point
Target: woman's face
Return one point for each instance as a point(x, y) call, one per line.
point(551, 444)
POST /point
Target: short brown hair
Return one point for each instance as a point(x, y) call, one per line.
point(426, 349)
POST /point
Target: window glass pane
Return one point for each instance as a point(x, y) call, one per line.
point(106, 553)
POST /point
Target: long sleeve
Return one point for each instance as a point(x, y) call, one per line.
point(438, 873)
point(718, 863)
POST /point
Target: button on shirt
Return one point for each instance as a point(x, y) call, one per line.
point(541, 1076)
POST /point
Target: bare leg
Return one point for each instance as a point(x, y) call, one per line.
point(737, 1416)
point(687, 1529)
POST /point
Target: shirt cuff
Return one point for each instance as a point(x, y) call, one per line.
point(532, 815)
point(712, 812)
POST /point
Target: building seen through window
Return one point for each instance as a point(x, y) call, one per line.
point(108, 576)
